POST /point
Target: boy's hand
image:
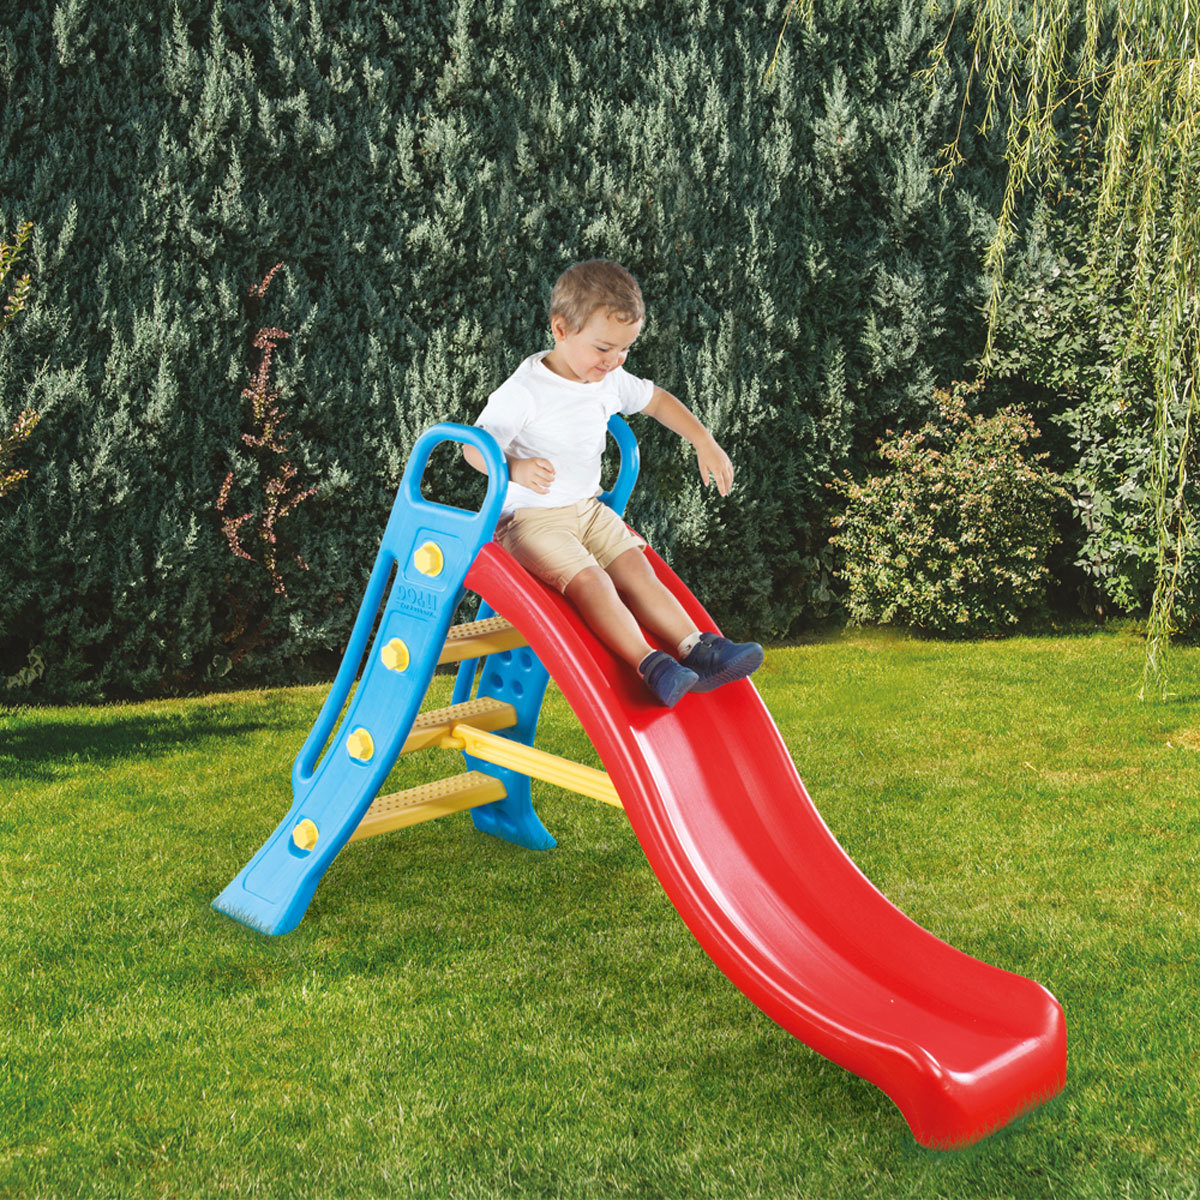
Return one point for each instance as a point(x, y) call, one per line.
point(714, 465)
point(537, 474)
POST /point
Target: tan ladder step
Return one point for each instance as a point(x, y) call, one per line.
point(484, 713)
point(427, 802)
point(478, 639)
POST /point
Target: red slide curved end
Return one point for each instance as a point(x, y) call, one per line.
point(719, 809)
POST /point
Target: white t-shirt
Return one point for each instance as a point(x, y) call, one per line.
point(535, 413)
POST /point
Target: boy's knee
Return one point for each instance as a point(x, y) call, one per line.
point(588, 581)
point(631, 569)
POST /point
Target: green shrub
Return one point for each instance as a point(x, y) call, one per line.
point(954, 537)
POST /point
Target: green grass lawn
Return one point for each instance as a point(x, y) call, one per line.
point(456, 1016)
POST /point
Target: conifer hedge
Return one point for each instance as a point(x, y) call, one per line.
point(424, 171)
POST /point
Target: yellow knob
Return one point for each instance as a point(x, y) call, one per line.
point(395, 655)
point(429, 559)
point(360, 745)
point(305, 834)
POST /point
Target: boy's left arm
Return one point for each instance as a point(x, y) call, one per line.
point(710, 458)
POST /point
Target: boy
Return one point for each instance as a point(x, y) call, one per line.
point(549, 419)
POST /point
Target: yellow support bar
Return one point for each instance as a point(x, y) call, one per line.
point(433, 727)
point(503, 752)
point(478, 639)
point(427, 802)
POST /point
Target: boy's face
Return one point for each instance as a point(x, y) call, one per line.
point(591, 352)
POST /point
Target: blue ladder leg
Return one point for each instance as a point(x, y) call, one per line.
point(518, 678)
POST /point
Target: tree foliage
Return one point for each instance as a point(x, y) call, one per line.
point(425, 180)
point(1133, 70)
point(1063, 345)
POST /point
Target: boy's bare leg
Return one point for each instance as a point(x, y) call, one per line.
point(595, 595)
point(648, 598)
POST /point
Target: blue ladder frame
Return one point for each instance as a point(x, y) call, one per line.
point(332, 791)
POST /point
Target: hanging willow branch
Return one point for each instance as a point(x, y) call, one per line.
point(1134, 66)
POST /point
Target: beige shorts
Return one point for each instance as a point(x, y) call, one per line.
point(555, 544)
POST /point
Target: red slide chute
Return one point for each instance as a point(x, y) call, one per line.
point(729, 830)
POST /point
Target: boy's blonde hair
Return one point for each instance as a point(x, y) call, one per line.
point(597, 283)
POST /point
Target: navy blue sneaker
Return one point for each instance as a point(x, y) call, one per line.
point(717, 660)
point(665, 678)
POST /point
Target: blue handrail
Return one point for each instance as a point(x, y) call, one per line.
point(617, 497)
point(408, 499)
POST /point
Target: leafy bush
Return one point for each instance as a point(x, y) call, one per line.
point(954, 537)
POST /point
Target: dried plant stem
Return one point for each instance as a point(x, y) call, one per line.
point(278, 495)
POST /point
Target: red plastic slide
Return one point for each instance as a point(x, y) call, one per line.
point(719, 809)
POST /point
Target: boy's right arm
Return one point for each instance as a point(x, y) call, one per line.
point(508, 410)
point(537, 474)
